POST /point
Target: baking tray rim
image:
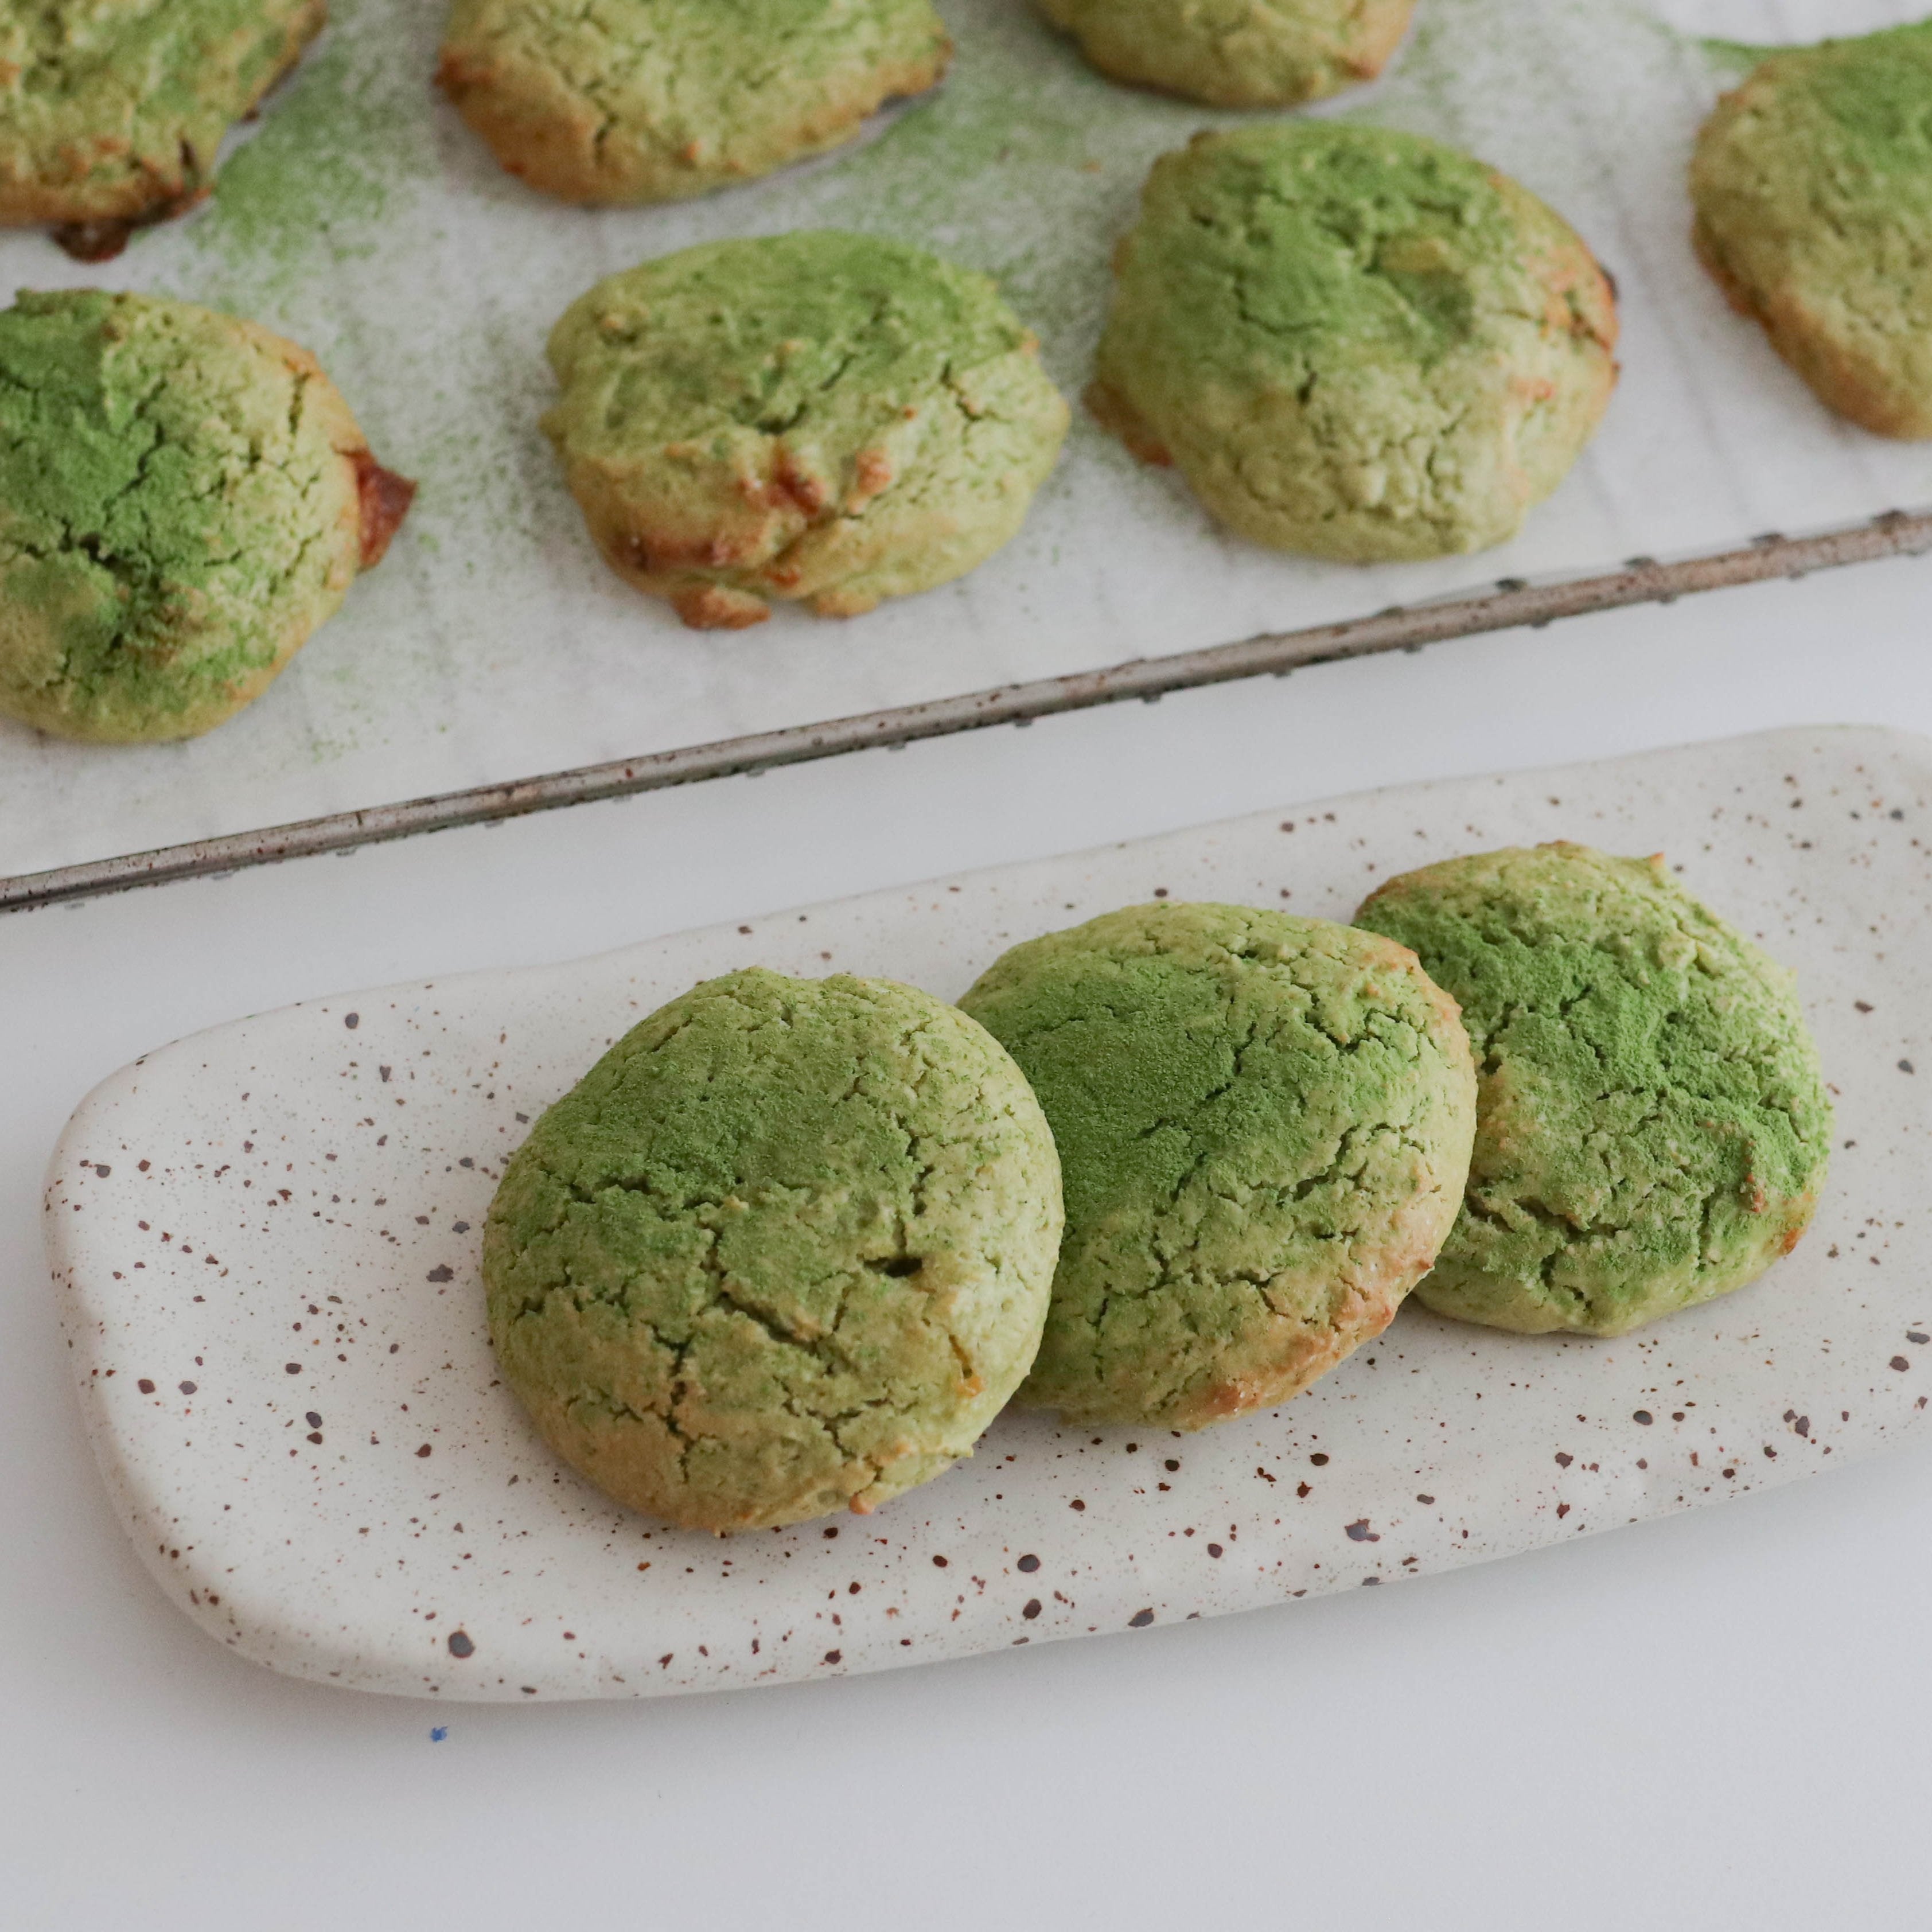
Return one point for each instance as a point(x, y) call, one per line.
point(1510, 603)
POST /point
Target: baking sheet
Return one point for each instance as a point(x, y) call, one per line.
point(361, 218)
point(265, 1242)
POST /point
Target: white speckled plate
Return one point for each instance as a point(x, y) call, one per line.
point(266, 1241)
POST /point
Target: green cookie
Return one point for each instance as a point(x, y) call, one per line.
point(1651, 1125)
point(1236, 53)
point(1265, 1125)
point(817, 416)
point(1812, 184)
point(110, 115)
point(1354, 343)
point(184, 498)
point(634, 101)
point(784, 1249)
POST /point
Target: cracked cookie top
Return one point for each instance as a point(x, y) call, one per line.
point(1652, 1128)
point(1264, 1123)
point(110, 115)
point(636, 100)
point(1354, 343)
point(785, 1249)
point(820, 416)
point(184, 497)
point(1233, 53)
point(1813, 185)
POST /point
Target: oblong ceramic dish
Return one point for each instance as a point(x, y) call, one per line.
point(265, 1241)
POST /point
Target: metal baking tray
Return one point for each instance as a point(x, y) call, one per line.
point(359, 216)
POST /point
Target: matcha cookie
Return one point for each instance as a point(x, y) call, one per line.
point(1355, 344)
point(1813, 185)
point(819, 416)
point(110, 115)
point(183, 498)
point(1236, 53)
point(1651, 1125)
point(1265, 1127)
point(634, 101)
point(784, 1249)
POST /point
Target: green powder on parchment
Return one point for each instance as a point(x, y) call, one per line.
point(338, 146)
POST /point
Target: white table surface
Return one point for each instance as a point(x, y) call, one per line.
point(1718, 1720)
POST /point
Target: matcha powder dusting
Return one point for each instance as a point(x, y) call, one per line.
point(784, 1250)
